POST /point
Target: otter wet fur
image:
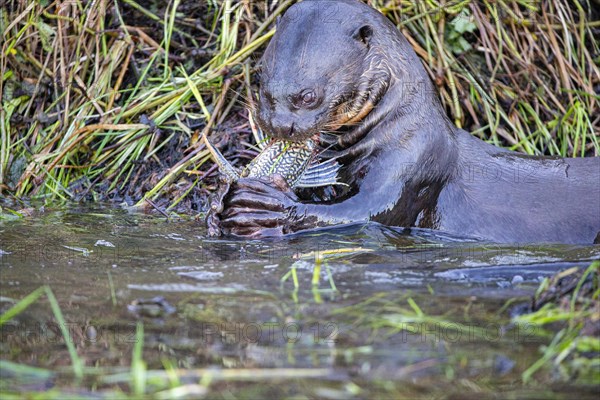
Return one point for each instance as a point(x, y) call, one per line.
point(342, 67)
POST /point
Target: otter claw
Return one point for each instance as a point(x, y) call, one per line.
point(216, 206)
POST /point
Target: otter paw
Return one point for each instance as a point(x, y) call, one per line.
point(258, 208)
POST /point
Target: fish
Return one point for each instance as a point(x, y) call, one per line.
point(297, 162)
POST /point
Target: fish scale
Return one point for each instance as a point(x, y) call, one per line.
point(295, 162)
point(289, 160)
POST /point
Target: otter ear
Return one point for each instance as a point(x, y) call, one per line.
point(364, 34)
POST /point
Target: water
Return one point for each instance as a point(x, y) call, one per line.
point(356, 311)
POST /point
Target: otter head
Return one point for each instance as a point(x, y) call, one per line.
point(321, 70)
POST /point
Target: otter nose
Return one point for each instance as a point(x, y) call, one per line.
point(282, 127)
point(284, 131)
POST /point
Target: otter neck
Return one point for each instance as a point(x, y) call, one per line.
point(398, 85)
point(419, 108)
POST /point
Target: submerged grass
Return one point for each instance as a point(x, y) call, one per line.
point(570, 300)
point(134, 382)
point(32, 298)
point(573, 351)
point(108, 98)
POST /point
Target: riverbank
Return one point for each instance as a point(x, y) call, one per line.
point(108, 100)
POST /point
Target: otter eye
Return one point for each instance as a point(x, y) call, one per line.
point(308, 97)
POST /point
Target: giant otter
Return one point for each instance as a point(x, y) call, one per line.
point(342, 66)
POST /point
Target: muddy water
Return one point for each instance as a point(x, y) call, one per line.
point(357, 311)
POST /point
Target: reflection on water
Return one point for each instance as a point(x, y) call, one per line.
point(370, 310)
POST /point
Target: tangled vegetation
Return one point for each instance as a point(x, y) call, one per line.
point(107, 99)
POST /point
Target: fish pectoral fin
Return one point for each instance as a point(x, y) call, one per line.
point(329, 166)
point(224, 166)
point(321, 174)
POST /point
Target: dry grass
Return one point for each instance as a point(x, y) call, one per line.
point(109, 98)
point(519, 73)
